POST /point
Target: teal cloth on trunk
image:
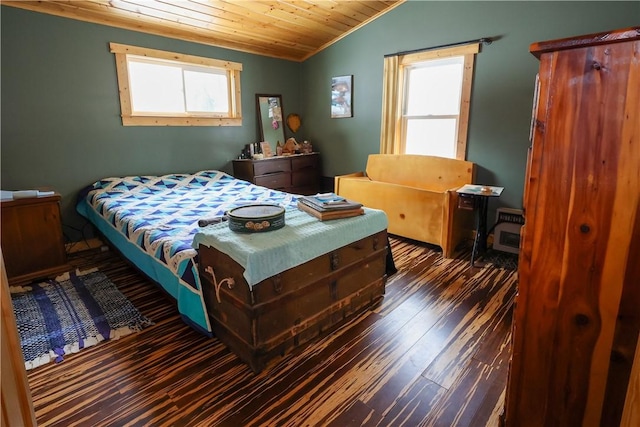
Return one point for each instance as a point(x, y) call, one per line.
point(302, 239)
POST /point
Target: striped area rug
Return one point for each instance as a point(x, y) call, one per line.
point(75, 311)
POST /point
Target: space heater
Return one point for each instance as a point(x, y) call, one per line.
point(506, 234)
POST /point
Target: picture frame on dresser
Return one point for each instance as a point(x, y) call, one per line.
point(265, 147)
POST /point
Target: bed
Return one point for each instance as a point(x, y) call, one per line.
point(262, 294)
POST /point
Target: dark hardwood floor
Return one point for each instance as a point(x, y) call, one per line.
point(434, 353)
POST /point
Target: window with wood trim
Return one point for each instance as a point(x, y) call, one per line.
point(426, 102)
point(159, 88)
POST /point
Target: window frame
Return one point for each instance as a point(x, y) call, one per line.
point(129, 118)
point(393, 131)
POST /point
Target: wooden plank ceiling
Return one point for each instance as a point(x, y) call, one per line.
point(287, 29)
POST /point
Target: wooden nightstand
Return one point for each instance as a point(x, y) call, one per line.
point(32, 240)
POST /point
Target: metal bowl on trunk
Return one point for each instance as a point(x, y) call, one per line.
point(256, 218)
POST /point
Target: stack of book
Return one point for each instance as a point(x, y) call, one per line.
point(328, 206)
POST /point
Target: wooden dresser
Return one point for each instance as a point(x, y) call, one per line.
point(577, 314)
point(298, 173)
point(32, 239)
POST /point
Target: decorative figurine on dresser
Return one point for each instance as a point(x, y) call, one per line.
point(577, 318)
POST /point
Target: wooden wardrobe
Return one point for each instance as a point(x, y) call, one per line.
point(577, 314)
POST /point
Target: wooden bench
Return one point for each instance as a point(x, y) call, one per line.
point(418, 194)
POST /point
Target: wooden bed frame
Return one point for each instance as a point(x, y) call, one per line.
point(289, 309)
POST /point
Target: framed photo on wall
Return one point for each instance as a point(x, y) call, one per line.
point(341, 96)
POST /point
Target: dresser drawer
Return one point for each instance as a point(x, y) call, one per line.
point(299, 174)
point(304, 162)
point(306, 178)
point(271, 166)
point(276, 181)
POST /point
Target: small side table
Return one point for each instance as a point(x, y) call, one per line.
point(480, 194)
point(32, 238)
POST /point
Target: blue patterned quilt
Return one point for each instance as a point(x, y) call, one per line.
point(152, 220)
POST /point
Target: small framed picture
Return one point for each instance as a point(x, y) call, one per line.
point(341, 96)
point(265, 147)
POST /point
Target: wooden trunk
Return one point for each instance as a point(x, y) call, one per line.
point(295, 306)
point(577, 317)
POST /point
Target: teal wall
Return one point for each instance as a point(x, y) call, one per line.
point(60, 110)
point(503, 87)
point(61, 123)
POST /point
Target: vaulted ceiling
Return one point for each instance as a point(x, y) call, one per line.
point(287, 29)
